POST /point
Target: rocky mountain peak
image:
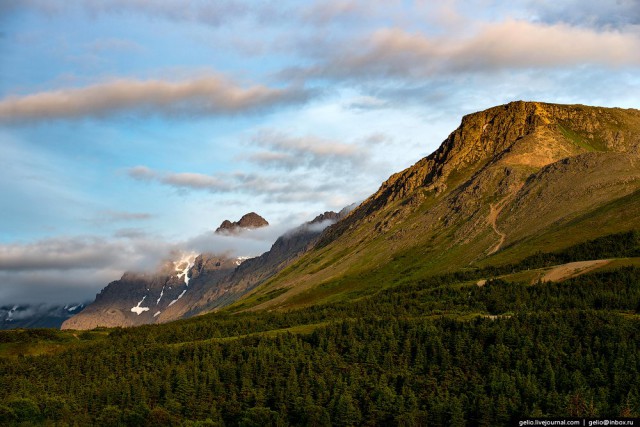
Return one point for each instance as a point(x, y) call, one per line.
point(514, 139)
point(248, 221)
point(327, 216)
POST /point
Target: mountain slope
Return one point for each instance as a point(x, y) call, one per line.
point(510, 180)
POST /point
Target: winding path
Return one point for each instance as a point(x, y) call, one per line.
point(494, 211)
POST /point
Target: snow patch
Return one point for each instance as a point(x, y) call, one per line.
point(176, 300)
point(184, 264)
point(73, 307)
point(157, 313)
point(139, 310)
point(159, 298)
point(10, 314)
point(241, 259)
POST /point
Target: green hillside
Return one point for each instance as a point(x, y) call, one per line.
point(443, 350)
point(508, 182)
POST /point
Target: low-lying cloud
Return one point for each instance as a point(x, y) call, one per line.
point(212, 95)
point(71, 269)
point(66, 270)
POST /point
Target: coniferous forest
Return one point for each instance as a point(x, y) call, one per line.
point(441, 351)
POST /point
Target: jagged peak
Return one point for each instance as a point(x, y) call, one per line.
point(250, 220)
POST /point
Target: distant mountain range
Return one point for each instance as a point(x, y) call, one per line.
point(511, 181)
point(37, 316)
point(195, 284)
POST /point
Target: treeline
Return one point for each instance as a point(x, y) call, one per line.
point(618, 290)
point(619, 245)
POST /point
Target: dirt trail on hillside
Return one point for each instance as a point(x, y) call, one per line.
point(566, 271)
point(494, 211)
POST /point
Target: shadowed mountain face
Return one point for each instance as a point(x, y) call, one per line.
point(194, 284)
point(511, 180)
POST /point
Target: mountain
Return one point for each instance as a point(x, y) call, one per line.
point(142, 298)
point(36, 316)
point(496, 280)
point(508, 182)
point(195, 284)
point(247, 222)
point(255, 271)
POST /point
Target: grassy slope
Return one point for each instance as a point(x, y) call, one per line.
point(407, 240)
point(354, 265)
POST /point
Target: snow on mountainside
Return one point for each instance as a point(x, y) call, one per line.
point(192, 284)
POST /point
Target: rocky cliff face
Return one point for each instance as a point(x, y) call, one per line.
point(247, 222)
point(518, 137)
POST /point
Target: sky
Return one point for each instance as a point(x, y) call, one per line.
point(130, 129)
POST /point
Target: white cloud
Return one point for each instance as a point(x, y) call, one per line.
point(395, 53)
point(74, 269)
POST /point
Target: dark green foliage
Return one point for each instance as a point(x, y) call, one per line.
point(7, 415)
point(369, 371)
point(25, 410)
point(620, 245)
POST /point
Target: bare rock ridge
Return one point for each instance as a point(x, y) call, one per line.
point(143, 298)
point(517, 135)
point(249, 221)
point(256, 271)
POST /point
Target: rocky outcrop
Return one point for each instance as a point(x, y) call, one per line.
point(247, 222)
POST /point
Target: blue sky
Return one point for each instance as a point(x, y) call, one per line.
point(129, 129)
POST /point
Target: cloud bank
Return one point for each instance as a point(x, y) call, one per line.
point(508, 45)
point(65, 270)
